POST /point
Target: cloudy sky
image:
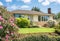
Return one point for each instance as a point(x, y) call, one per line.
point(28, 4)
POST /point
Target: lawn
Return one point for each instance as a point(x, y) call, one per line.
point(35, 30)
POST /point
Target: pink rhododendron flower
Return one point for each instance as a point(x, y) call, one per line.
point(7, 40)
point(12, 24)
point(12, 33)
point(1, 27)
point(3, 39)
point(3, 21)
point(7, 37)
point(1, 18)
point(11, 20)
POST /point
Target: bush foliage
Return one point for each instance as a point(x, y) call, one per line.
point(51, 23)
point(7, 28)
point(57, 29)
point(39, 38)
point(22, 22)
point(7, 25)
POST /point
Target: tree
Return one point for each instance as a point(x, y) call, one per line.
point(35, 9)
point(58, 15)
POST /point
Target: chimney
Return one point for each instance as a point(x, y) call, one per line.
point(49, 10)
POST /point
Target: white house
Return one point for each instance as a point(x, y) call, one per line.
point(38, 18)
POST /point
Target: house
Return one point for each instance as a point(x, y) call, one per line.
point(37, 18)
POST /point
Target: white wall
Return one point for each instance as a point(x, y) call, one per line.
point(30, 17)
point(50, 18)
point(26, 16)
point(35, 18)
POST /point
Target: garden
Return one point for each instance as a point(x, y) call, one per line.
point(19, 29)
point(35, 33)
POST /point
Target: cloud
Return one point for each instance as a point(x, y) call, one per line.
point(15, 7)
point(58, 1)
point(45, 3)
point(8, 0)
point(1, 3)
point(40, 0)
point(52, 0)
point(26, 1)
point(48, 2)
point(24, 7)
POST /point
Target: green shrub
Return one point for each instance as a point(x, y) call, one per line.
point(51, 23)
point(57, 26)
point(57, 31)
point(22, 22)
point(58, 38)
point(16, 40)
point(59, 23)
point(38, 38)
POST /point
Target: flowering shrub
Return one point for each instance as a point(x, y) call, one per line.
point(51, 23)
point(7, 28)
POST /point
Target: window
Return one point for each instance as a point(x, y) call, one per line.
point(45, 18)
point(42, 18)
point(18, 15)
point(39, 18)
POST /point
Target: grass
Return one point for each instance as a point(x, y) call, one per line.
point(35, 30)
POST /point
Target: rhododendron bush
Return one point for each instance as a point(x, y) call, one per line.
point(7, 29)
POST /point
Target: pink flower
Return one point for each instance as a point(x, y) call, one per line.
point(1, 18)
point(11, 20)
point(3, 38)
point(1, 27)
point(7, 40)
point(12, 24)
point(7, 37)
point(12, 33)
point(3, 21)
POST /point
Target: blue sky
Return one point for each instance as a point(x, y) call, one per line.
point(43, 5)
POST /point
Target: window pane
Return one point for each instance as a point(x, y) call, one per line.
point(17, 15)
point(39, 18)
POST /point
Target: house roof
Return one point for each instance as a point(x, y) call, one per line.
point(30, 12)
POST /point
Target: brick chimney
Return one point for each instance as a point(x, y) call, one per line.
point(49, 10)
